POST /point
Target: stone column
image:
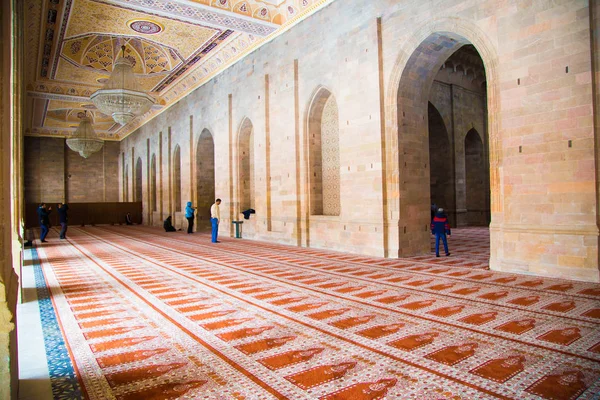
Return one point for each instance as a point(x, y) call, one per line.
point(9, 209)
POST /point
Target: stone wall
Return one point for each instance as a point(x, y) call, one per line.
point(380, 62)
point(54, 173)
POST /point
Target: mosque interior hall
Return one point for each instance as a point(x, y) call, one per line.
point(299, 199)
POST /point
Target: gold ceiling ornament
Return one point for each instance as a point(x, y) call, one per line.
point(121, 96)
point(85, 141)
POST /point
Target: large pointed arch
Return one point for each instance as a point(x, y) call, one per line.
point(406, 133)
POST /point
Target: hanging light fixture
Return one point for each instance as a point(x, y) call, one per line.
point(85, 141)
point(121, 96)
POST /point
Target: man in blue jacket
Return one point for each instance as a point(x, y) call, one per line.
point(440, 228)
point(189, 215)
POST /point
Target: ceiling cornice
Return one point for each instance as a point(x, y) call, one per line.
point(197, 13)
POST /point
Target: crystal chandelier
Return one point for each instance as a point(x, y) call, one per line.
point(121, 96)
point(85, 141)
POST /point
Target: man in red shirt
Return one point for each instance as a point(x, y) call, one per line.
point(440, 228)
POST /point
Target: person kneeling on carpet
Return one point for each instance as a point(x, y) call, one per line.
point(168, 225)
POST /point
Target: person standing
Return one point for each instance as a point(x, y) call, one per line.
point(189, 215)
point(44, 213)
point(440, 228)
point(62, 218)
point(215, 217)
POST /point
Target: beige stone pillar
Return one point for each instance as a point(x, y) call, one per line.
point(160, 175)
point(595, 46)
point(10, 211)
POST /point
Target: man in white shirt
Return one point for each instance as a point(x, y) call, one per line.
point(215, 217)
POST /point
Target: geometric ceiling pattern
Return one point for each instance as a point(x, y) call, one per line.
point(174, 45)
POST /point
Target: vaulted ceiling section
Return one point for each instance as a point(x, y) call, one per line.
point(174, 45)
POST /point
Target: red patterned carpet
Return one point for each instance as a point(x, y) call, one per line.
point(149, 315)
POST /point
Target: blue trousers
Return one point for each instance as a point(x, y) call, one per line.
point(43, 232)
point(437, 243)
point(215, 229)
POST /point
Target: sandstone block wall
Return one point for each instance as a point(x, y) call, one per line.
point(54, 173)
point(379, 61)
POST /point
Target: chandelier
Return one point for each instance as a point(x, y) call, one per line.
point(121, 96)
point(85, 141)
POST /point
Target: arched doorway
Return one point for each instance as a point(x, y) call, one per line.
point(441, 93)
point(138, 180)
point(205, 175)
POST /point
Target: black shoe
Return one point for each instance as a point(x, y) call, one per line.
point(44, 241)
point(437, 255)
point(447, 254)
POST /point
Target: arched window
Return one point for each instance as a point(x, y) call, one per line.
point(477, 178)
point(246, 165)
point(205, 173)
point(138, 180)
point(177, 178)
point(126, 194)
point(441, 175)
point(324, 155)
point(153, 183)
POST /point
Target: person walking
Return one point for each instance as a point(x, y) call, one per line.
point(62, 218)
point(189, 215)
point(215, 217)
point(43, 214)
point(440, 228)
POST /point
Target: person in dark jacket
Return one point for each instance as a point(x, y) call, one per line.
point(62, 218)
point(44, 213)
point(248, 212)
point(440, 228)
point(128, 220)
point(168, 225)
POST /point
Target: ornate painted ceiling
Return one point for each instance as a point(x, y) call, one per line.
point(174, 45)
